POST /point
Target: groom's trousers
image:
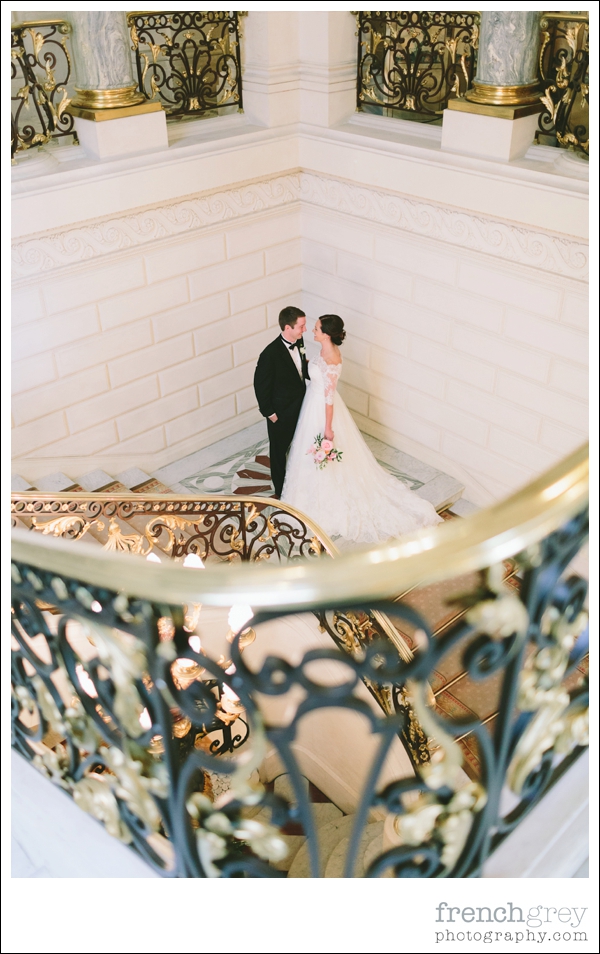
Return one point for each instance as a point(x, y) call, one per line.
point(281, 434)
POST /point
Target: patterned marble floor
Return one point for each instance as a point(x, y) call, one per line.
point(240, 465)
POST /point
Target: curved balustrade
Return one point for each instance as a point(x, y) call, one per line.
point(117, 696)
point(218, 529)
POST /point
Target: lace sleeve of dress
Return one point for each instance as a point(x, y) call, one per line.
point(332, 375)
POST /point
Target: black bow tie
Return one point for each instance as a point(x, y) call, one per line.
point(295, 344)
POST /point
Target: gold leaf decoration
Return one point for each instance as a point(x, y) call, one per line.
point(125, 657)
point(136, 789)
point(23, 94)
point(124, 542)
point(61, 525)
point(94, 795)
point(170, 522)
point(549, 102)
point(38, 42)
point(50, 83)
point(59, 112)
point(541, 691)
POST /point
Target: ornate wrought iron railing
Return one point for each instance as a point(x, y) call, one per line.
point(564, 70)
point(410, 63)
point(215, 529)
point(40, 75)
point(190, 61)
point(228, 529)
point(102, 698)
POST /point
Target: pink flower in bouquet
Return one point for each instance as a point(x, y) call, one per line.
point(326, 446)
point(319, 456)
point(311, 450)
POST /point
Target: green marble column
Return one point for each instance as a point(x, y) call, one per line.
point(103, 64)
point(507, 60)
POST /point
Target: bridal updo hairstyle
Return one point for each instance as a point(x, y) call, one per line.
point(333, 326)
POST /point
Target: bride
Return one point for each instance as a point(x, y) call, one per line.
point(353, 498)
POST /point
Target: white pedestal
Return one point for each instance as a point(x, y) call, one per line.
point(121, 137)
point(489, 137)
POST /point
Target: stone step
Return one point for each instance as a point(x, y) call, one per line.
point(18, 485)
point(334, 841)
point(463, 508)
point(230, 460)
point(328, 838)
point(282, 786)
point(96, 481)
point(139, 482)
point(324, 813)
point(371, 845)
point(99, 481)
point(58, 483)
point(294, 844)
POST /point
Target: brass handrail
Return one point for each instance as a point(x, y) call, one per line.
point(583, 17)
point(424, 557)
point(25, 24)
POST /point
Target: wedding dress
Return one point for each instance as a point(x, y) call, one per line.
point(354, 498)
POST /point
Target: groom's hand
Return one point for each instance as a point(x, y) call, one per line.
point(273, 418)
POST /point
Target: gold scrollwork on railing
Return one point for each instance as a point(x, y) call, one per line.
point(188, 60)
point(73, 526)
point(558, 723)
point(415, 61)
point(564, 66)
point(228, 529)
point(40, 74)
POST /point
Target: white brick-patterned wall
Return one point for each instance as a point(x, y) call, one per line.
point(476, 365)
point(469, 358)
point(152, 355)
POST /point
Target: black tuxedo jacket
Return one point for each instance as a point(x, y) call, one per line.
point(278, 387)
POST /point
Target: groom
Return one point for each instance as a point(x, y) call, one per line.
point(279, 384)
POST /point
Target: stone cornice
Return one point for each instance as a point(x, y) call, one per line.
point(45, 253)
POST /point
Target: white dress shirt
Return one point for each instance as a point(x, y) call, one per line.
point(295, 353)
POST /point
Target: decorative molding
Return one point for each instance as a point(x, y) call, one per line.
point(547, 251)
point(44, 253)
point(292, 75)
point(544, 250)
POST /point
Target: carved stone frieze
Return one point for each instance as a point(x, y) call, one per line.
point(44, 253)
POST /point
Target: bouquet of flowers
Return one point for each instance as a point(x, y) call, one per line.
point(323, 452)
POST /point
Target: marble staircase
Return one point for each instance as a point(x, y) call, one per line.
point(132, 480)
point(240, 465)
point(334, 829)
